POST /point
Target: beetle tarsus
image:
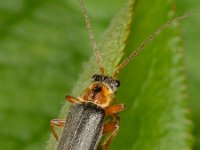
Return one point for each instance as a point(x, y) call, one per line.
point(110, 127)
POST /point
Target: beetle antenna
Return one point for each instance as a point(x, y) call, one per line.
point(145, 43)
point(92, 40)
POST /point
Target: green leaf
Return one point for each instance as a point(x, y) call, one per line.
point(112, 47)
point(154, 85)
point(191, 37)
point(43, 45)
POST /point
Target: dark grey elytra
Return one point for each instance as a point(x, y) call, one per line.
point(83, 127)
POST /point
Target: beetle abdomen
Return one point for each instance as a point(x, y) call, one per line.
point(83, 127)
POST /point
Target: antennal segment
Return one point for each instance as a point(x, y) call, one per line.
point(155, 34)
point(92, 40)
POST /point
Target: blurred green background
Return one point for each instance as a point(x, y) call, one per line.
point(43, 46)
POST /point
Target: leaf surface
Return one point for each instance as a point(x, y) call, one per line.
point(154, 85)
point(43, 45)
point(190, 35)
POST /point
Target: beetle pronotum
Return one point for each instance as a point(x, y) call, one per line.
point(85, 125)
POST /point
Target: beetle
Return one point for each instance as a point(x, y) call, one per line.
point(86, 116)
point(85, 123)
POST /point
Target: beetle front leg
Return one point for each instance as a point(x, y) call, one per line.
point(114, 109)
point(56, 123)
point(72, 99)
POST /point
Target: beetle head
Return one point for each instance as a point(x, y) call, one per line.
point(101, 90)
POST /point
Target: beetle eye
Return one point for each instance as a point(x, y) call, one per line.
point(97, 89)
point(97, 77)
point(118, 83)
point(94, 77)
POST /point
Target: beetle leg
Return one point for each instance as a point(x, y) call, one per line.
point(114, 109)
point(72, 99)
point(113, 127)
point(56, 123)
